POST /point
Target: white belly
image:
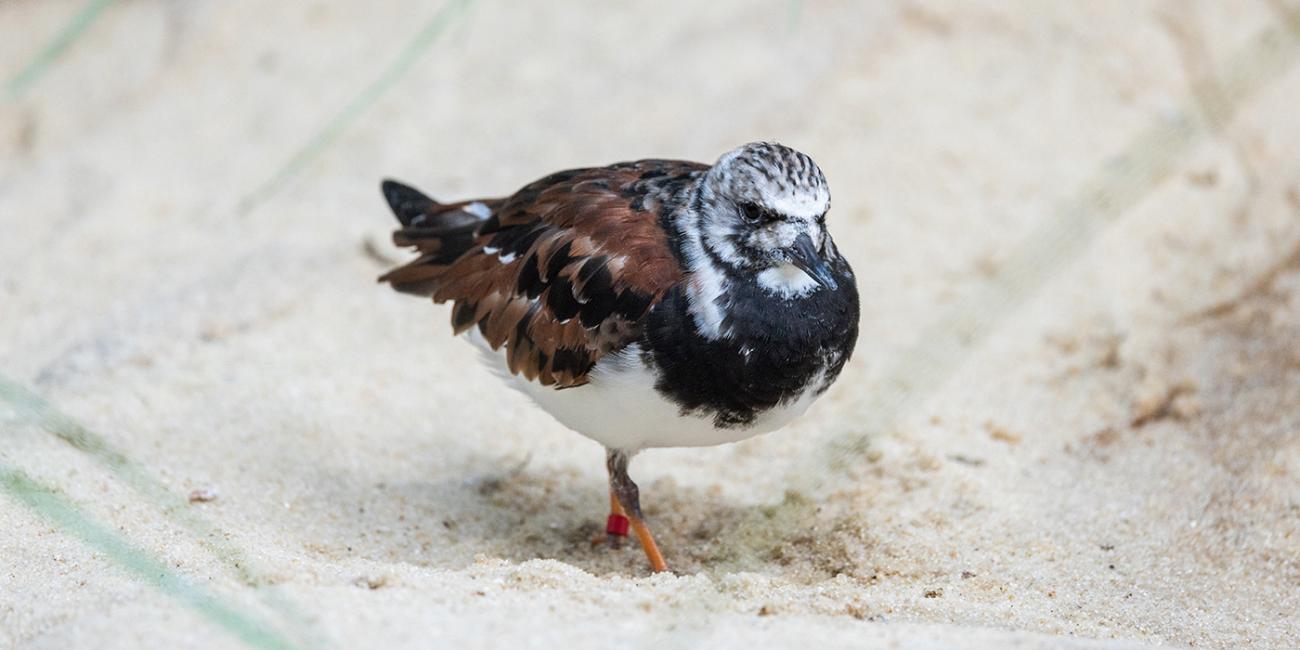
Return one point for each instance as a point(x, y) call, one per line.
point(620, 408)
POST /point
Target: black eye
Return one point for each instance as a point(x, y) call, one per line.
point(753, 213)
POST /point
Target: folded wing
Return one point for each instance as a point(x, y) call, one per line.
point(559, 274)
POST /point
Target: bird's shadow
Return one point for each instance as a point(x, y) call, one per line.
point(522, 513)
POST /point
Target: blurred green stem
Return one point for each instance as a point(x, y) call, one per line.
point(326, 136)
point(40, 64)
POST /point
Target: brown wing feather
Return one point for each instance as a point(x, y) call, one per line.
point(563, 270)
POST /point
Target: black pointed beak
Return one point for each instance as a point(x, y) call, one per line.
point(805, 256)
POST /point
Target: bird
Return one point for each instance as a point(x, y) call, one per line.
point(646, 304)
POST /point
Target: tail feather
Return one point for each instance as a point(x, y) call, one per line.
point(407, 202)
point(442, 233)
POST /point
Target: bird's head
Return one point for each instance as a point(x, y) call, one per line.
point(763, 209)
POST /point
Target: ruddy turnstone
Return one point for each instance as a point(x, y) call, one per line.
point(655, 303)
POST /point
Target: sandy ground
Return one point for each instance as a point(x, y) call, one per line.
point(1073, 418)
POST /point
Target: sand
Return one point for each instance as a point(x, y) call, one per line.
point(1072, 420)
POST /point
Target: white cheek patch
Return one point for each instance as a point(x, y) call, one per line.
point(720, 243)
point(787, 281)
point(780, 235)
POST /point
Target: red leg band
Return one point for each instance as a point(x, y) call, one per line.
point(616, 525)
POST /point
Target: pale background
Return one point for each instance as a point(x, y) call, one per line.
point(1072, 420)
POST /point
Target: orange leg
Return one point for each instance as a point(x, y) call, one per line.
point(648, 545)
point(625, 500)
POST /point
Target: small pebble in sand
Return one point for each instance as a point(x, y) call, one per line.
point(203, 495)
point(1206, 178)
point(1001, 433)
point(371, 582)
point(1159, 400)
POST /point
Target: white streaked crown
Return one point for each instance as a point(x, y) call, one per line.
point(774, 176)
